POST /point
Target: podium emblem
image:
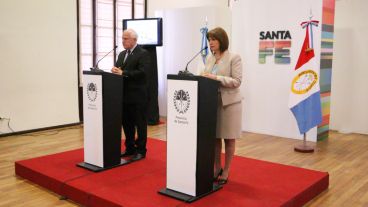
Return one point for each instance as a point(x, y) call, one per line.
point(92, 91)
point(181, 101)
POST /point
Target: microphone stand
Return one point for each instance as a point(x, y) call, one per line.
point(96, 68)
point(186, 72)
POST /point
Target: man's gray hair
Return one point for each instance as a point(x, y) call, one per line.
point(132, 33)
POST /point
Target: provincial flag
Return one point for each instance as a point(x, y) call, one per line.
point(304, 99)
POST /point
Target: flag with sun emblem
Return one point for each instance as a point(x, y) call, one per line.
point(304, 99)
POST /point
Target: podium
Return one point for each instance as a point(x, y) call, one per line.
point(102, 105)
point(191, 134)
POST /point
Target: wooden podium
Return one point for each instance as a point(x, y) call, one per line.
point(102, 105)
point(191, 134)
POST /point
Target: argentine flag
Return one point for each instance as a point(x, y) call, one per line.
point(204, 52)
point(304, 99)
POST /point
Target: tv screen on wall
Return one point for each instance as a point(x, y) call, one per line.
point(149, 30)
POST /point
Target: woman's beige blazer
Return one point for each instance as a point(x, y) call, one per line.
point(229, 73)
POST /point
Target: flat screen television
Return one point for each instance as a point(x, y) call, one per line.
point(149, 30)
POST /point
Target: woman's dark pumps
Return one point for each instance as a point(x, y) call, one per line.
point(222, 181)
point(218, 175)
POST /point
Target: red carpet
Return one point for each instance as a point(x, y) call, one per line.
point(161, 122)
point(252, 182)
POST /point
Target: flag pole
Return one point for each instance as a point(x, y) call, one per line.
point(304, 148)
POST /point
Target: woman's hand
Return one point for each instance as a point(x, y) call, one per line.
point(209, 75)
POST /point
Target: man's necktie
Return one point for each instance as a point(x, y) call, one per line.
point(126, 56)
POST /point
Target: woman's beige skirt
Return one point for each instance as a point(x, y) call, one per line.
point(229, 119)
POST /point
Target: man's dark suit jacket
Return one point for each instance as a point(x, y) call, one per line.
point(135, 70)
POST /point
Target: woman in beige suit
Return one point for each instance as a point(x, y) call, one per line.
point(225, 67)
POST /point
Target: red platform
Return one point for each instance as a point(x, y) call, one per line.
point(251, 183)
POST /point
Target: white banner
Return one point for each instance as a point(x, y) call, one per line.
point(269, 43)
point(182, 109)
point(92, 117)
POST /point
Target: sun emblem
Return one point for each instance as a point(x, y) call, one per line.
point(304, 81)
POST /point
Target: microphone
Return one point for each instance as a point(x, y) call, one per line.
point(186, 72)
point(96, 69)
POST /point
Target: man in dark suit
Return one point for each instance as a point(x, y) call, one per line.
point(133, 64)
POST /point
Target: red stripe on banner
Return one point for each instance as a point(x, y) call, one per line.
point(328, 16)
point(326, 94)
point(325, 120)
point(329, 4)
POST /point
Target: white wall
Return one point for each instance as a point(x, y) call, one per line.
point(266, 87)
point(154, 5)
point(349, 96)
point(349, 93)
point(38, 58)
point(38, 50)
point(182, 40)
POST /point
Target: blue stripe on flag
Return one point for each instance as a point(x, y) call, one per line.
point(308, 113)
point(204, 31)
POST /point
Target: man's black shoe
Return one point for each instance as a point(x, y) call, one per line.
point(127, 153)
point(138, 156)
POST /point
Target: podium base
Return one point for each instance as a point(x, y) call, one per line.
point(185, 197)
point(95, 168)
